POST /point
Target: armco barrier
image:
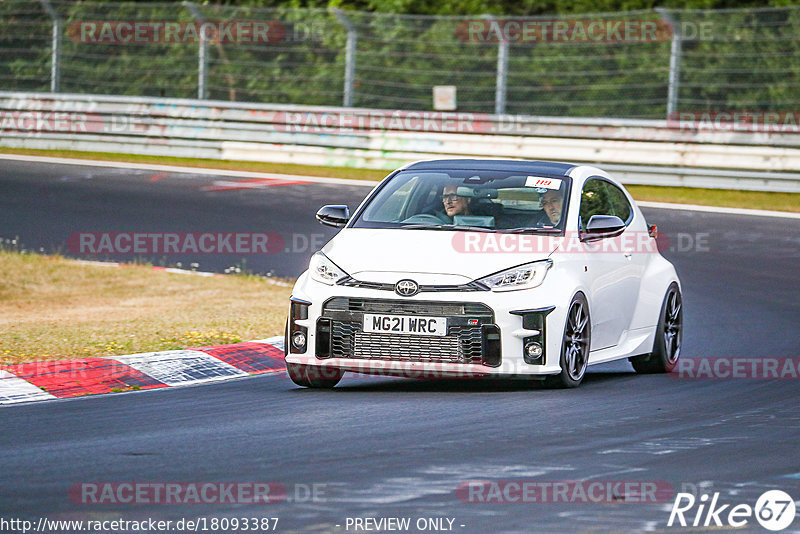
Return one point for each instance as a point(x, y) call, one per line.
point(637, 151)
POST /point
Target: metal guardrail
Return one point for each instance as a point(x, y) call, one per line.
point(647, 152)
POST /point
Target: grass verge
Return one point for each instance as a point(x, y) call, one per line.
point(55, 308)
point(681, 195)
point(253, 166)
point(728, 198)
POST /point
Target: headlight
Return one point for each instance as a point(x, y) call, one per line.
point(324, 270)
point(522, 277)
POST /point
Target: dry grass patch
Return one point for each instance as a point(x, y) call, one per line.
point(756, 200)
point(204, 163)
point(55, 308)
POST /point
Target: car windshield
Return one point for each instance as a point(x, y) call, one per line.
point(487, 201)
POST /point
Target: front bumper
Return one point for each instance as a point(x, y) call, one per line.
point(486, 335)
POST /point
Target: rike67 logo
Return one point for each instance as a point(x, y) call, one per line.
point(774, 510)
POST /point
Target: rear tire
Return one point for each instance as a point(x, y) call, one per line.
point(669, 337)
point(575, 346)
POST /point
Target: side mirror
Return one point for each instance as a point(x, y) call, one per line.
point(600, 226)
point(336, 216)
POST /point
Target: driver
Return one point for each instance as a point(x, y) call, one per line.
point(453, 203)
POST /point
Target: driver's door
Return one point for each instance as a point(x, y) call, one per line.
point(613, 277)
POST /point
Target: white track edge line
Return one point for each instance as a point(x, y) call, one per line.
point(345, 181)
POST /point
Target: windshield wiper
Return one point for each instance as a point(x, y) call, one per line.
point(471, 228)
point(425, 226)
point(446, 227)
point(531, 230)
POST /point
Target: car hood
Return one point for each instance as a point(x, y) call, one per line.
point(383, 255)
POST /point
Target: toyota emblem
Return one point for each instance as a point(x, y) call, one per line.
point(406, 288)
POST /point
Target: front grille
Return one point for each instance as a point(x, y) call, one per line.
point(424, 349)
point(424, 288)
point(407, 307)
point(462, 344)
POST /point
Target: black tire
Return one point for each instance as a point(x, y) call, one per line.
point(314, 376)
point(669, 336)
point(575, 346)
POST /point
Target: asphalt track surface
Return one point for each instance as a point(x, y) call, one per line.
point(385, 447)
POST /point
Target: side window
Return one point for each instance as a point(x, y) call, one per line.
point(594, 200)
point(600, 197)
point(618, 202)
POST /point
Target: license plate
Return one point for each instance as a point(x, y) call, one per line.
point(405, 324)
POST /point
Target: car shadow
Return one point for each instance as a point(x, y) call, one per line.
point(600, 377)
point(383, 384)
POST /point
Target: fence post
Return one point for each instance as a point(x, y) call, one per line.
point(202, 54)
point(502, 69)
point(674, 62)
point(350, 57)
point(55, 67)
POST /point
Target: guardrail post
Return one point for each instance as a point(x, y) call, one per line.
point(674, 61)
point(55, 67)
point(502, 70)
point(350, 57)
point(202, 54)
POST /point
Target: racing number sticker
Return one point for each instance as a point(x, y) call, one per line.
point(545, 183)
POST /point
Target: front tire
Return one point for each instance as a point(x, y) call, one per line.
point(574, 346)
point(669, 336)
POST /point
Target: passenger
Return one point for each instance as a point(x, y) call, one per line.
point(552, 202)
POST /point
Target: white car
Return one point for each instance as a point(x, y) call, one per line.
point(485, 268)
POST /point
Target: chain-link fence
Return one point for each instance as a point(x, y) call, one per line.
point(642, 64)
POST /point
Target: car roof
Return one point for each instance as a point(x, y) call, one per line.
point(529, 167)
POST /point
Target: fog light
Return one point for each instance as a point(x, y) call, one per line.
point(533, 350)
point(299, 341)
